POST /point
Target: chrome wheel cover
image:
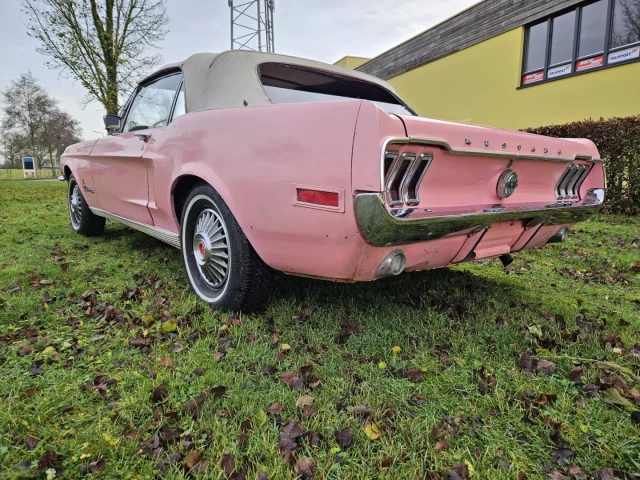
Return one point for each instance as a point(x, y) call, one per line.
point(211, 249)
point(75, 207)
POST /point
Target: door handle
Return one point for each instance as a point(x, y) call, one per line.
point(143, 136)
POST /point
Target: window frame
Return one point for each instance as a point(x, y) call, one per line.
point(550, 39)
point(576, 39)
point(526, 47)
point(127, 107)
point(175, 101)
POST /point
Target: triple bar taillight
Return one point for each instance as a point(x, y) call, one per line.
point(403, 173)
point(568, 187)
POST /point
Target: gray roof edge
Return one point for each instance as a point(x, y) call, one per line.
point(505, 15)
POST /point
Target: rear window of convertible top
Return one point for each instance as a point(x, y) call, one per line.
point(293, 84)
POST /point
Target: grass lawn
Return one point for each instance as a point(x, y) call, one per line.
point(18, 174)
point(110, 367)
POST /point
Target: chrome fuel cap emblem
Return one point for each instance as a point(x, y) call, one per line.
point(507, 184)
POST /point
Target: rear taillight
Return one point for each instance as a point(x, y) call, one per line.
point(568, 187)
point(389, 158)
point(403, 175)
point(396, 178)
point(316, 197)
point(411, 184)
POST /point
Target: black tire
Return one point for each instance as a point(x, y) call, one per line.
point(83, 220)
point(220, 264)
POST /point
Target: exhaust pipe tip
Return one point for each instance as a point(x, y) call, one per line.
point(560, 236)
point(392, 265)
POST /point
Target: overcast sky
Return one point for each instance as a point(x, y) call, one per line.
point(324, 30)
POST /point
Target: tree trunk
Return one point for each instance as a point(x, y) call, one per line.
point(53, 167)
point(112, 86)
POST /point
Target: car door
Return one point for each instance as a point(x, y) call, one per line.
point(118, 166)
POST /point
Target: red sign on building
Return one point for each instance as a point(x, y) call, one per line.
point(590, 63)
point(533, 77)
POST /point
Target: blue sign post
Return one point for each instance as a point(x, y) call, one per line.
point(28, 167)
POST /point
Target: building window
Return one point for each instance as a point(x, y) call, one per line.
point(593, 28)
point(536, 47)
point(562, 38)
point(590, 36)
point(626, 23)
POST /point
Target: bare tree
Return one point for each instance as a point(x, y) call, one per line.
point(13, 146)
point(26, 106)
point(101, 43)
point(59, 130)
point(33, 124)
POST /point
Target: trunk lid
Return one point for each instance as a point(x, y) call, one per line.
point(480, 140)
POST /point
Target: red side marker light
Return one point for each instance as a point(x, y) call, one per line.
point(315, 197)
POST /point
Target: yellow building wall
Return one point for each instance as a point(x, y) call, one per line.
point(480, 85)
point(351, 62)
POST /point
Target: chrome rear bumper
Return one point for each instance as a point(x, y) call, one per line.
point(380, 228)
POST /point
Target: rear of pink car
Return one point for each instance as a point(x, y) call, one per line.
point(445, 193)
point(318, 171)
point(344, 190)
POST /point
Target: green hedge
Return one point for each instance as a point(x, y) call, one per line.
point(618, 140)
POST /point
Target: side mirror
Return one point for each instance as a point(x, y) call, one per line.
point(112, 123)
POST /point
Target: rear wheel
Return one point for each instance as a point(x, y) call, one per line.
point(222, 267)
point(83, 220)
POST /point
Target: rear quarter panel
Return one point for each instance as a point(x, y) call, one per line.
point(253, 157)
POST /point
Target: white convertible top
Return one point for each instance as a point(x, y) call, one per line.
point(231, 79)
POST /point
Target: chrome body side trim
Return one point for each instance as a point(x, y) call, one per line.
point(166, 236)
point(380, 228)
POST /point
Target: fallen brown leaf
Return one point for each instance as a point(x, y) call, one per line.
point(275, 409)
point(360, 410)
point(160, 394)
point(166, 362)
point(344, 437)
point(306, 468)
point(292, 380)
point(93, 466)
point(195, 462)
point(441, 445)
point(545, 366)
point(304, 401)
point(576, 473)
point(31, 442)
point(459, 471)
point(25, 350)
point(228, 464)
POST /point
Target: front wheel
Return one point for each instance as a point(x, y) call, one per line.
point(222, 267)
point(83, 220)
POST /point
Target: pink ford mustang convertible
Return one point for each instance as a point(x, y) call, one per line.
point(251, 163)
